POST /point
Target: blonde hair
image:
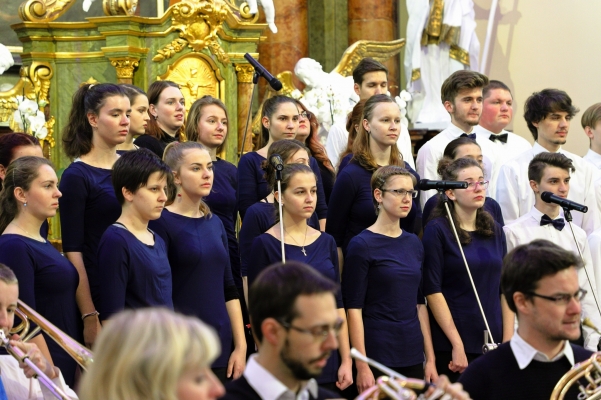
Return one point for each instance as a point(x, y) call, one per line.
point(141, 355)
point(173, 156)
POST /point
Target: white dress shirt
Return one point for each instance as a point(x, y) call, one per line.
point(527, 228)
point(524, 353)
point(338, 139)
point(431, 152)
point(269, 388)
point(516, 198)
point(594, 245)
point(594, 158)
point(19, 387)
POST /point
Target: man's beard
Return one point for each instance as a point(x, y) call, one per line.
point(297, 368)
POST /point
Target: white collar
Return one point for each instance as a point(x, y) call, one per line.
point(593, 155)
point(524, 353)
point(456, 131)
point(537, 149)
point(482, 130)
point(537, 214)
point(268, 387)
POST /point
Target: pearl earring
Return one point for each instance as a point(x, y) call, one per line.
point(25, 204)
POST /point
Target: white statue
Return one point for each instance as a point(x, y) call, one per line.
point(6, 59)
point(269, 12)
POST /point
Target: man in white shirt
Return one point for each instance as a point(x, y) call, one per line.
point(497, 113)
point(371, 78)
point(461, 94)
point(550, 172)
point(591, 123)
point(16, 381)
point(548, 114)
point(541, 285)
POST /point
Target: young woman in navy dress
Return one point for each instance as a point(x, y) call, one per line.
point(375, 146)
point(98, 123)
point(138, 119)
point(279, 119)
point(464, 147)
point(167, 109)
point(308, 245)
point(47, 281)
point(198, 252)
point(381, 285)
point(455, 318)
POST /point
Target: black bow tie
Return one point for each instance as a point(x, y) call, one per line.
point(469, 135)
point(501, 137)
point(558, 223)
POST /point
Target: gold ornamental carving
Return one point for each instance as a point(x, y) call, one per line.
point(198, 24)
point(125, 66)
point(43, 10)
point(245, 73)
point(379, 51)
point(119, 7)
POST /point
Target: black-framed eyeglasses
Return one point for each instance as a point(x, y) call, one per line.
point(562, 299)
point(318, 332)
point(474, 185)
point(305, 115)
point(401, 192)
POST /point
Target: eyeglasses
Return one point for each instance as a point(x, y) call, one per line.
point(401, 192)
point(318, 332)
point(474, 185)
point(305, 115)
point(562, 299)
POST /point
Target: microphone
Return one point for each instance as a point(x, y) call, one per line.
point(549, 197)
point(276, 162)
point(272, 80)
point(427, 184)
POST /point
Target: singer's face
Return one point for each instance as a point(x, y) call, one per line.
point(393, 203)
point(195, 175)
point(384, 126)
point(375, 82)
point(547, 319)
point(553, 129)
point(472, 151)
point(555, 180)
point(170, 109)
point(199, 384)
point(283, 123)
point(300, 157)
point(471, 198)
point(9, 294)
point(466, 108)
point(212, 126)
point(300, 196)
point(138, 119)
point(497, 110)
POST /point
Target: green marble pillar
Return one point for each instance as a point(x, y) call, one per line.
point(328, 31)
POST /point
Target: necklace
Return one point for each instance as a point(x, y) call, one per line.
point(29, 235)
point(303, 246)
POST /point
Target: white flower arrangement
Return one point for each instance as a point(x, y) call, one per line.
point(402, 99)
point(29, 118)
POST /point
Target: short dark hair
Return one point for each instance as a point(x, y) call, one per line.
point(367, 65)
point(492, 85)
point(451, 150)
point(527, 264)
point(459, 80)
point(545, 159)
point(273, 294)
point(540, 104)
point(132, 170)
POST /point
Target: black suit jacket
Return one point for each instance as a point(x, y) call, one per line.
point(241, 390)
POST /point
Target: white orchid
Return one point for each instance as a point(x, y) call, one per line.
point(402, 99)
point(27, 107)
point(29, 118)
point(37, 125)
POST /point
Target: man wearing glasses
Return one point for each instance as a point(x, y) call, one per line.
point(541, 284)
point(550, 172)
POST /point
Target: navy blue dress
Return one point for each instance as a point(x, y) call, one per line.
point(200, 265)
point(353, 209)
point(382, 276)
point(490, 205)
point(47, 283)
point(88, 206)
point(321, 255)
point(444, 272)
point(157, 146)
point(259, 218)
point(252, 186)
point(134, 274)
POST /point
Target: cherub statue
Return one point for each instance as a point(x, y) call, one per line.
point(269, 10)
point(6, 59)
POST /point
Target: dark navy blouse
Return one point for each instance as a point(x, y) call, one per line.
point(382, 276)
point(490, 205)
point(199, 258)
point(444, 272)
point(47, 283)
point(88, 206)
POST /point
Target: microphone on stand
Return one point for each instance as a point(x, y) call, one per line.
point(549, 197)
point(276, 162)
point(427, 184)
point(272, 80)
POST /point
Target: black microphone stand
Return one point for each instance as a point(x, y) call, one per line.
point(256, 77)
point(488, 345)
point(278, 178)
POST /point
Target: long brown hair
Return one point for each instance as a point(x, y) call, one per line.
point(194, 117)
point(361, 150)
point(285, 149)
point(312, 141)
point(154, 93)
point(354, 119)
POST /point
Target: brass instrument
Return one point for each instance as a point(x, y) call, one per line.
point(586, 374)
point(80, 353)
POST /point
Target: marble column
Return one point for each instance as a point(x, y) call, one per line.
point(280, 51)
point(125, 68)
point(244, 73)
point(376, 20)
